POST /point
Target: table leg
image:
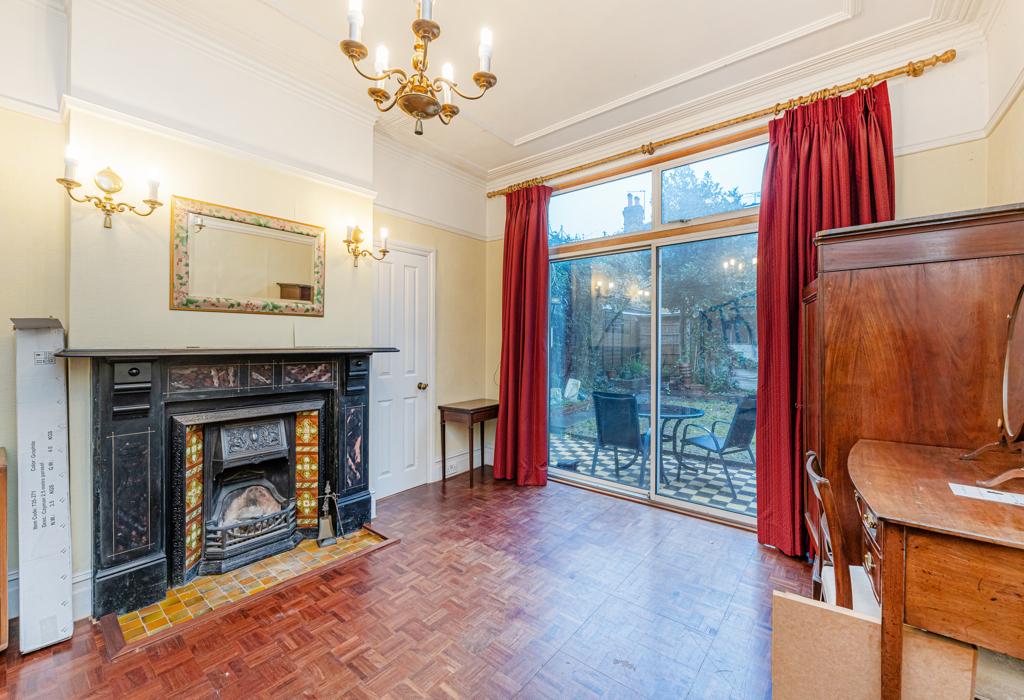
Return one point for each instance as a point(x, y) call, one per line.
point(483, 461)
point(893, 543)
point(444, 456)
point(469, 429)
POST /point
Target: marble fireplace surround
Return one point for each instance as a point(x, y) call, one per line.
point(146, 407)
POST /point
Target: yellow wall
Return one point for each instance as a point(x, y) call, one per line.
point(1006, 157)
point(460, 308)
point(939, 180)
point(131, 261)
point(32, 259)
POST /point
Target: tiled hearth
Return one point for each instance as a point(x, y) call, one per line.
point(207, 593)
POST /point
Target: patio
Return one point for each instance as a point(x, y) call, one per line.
point(706, 489)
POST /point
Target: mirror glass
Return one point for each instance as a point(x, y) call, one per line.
point(229, 259)
point(1013, 373)
point(237, 261)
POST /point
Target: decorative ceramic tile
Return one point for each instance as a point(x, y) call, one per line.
point(193, 494)
point(208, 593)
point(307, 467)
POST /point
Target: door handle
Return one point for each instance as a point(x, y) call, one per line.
point(422, 386)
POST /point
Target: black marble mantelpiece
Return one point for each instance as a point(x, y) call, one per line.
point(143, 401)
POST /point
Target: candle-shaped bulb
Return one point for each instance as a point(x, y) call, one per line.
point(448, 73)
point(154, 185)
point(381, 61)
point(355, 20)
point(70, 162)
point(383, 238)
point(486, 49)
point(426, 9)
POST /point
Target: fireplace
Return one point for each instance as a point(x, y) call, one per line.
point(205, 461)
point(251, 494)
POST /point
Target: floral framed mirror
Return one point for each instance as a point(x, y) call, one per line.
point(238, 261)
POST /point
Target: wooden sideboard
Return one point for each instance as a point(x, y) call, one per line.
point(949, 564)
point(904, 334)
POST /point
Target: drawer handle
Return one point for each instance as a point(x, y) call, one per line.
point(870, 520)
point(869, 562)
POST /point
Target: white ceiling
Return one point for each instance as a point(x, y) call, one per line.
point(572, 71)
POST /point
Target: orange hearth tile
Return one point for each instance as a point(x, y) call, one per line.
point(207, 593)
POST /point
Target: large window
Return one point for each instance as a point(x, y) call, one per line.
point(652, 350)
point(713, 186)
point(608, 209)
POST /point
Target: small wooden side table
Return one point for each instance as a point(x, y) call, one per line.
point(468, 413)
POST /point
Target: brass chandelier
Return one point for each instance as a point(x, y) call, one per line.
point(417, 94)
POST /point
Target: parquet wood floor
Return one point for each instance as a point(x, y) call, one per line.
point(493, 593)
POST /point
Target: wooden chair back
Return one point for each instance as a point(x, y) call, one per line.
point(830, 531)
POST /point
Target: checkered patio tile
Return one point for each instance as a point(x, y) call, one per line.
point(694, 485)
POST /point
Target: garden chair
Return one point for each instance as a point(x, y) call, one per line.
point(737, 439)
point(618, 427)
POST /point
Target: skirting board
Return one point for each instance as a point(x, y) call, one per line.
point(458, 463)
point(81, 594)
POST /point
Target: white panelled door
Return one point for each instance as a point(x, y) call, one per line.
point(400, 392)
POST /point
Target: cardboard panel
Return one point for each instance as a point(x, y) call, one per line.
point(821, 651)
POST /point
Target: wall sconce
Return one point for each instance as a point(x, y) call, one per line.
point(358, 246)
point(111, 183)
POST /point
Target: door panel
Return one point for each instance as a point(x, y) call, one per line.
point(400, 406)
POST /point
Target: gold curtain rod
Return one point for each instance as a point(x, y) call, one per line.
point(913, 69)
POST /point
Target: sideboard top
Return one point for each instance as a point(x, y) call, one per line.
point(946, 218)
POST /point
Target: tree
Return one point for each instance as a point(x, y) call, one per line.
point(684, 197)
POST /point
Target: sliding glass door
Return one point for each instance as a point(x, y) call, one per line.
point(602, 346)
point(707, 345)
point(599, 367)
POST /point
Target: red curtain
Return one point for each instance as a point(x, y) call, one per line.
point(830, 164)
point(521, 443)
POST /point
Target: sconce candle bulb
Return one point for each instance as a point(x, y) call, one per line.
point(357, 248)
point(110, 183)
point(70, 162)
point(355, 20)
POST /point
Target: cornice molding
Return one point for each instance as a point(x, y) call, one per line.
point(415, 218)
point(850, 10)
point(897, 46)
point(71, 104)
point(386, 142)
point(168, 20)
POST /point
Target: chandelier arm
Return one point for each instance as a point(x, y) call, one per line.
point(394, 101)
point(399, 74)
point(463, 95)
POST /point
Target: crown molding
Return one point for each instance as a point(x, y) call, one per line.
point(898, 45)
point(851, 9)
point(468, 174)
point(1005, 104)
point(170, 20)
point(416, 219)
point(58, 6)
point(30, 108)
point(71, 104)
